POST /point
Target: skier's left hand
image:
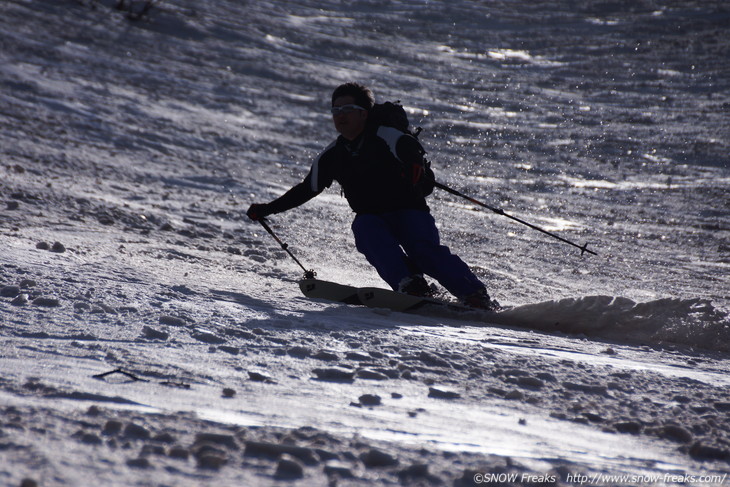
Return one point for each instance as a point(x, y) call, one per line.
point(257, 211)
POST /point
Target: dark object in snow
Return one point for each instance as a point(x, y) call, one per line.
point(275, 450)
point(135, 431)
point(149, 332)
point(415, 471)
point(47, 302)
point(371, 374)
point(172, 321)
point(377, 458)
point(136, 9)
point(370, 400)
point(703, 452)
point(630, 427)
point(340, 469)
point(289, 468)
point(112, 428)
point(228, 441)
point(208, 337)
point(141, 462)
point(58, 248)
point(259, 377)
point(228, 392)
point(335, 374)
point(440, 393)
point(299, 352)
point(676, 433)
point(9, 291)
point(326, 356)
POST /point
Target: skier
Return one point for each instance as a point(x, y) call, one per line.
point(380, 170)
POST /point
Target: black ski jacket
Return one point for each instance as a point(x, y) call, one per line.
point(373, 170)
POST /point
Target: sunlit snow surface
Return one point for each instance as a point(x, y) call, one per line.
point(139, 146)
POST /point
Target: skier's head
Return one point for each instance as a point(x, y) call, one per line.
point(350, 105)
point(361, 94)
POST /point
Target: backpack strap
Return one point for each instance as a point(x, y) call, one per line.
point(391, 136)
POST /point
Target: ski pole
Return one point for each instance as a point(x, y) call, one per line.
point(308, 274)
point(499, 211)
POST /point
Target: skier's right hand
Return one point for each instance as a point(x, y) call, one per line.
point(258, 211)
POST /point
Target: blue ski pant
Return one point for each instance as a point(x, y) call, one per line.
point(406, 242)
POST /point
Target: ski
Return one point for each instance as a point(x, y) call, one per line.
point(373, 297)
point(331, 291)
point(384, 298)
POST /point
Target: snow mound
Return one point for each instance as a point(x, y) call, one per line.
point(691, 322)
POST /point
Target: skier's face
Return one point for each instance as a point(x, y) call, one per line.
point(349, 121)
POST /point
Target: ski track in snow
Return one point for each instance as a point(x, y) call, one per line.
point(150, 334)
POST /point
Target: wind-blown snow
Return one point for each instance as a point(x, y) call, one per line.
point(130, 150)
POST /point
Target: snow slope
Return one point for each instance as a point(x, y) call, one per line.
point(150, 334)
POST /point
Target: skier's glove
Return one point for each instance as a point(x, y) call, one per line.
point(258, 211)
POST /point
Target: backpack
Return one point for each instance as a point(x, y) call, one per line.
point(392, 114)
